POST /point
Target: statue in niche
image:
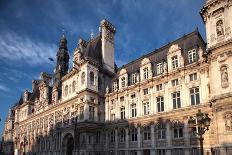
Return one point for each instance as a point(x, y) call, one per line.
point(224, 77)
point(219, 28)
point(165, 67)
point(228, 121)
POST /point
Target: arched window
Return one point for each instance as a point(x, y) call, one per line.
point(161, 131)
point(83, 78)
point(178, 129)
point(112, 136)
point(122, 135)
point(74, 86)
point(134, 134)
point(91, 78)
point(147, 133)
point(66, 90)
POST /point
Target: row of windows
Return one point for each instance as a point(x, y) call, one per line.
point(174, 151)
point(72, 88)
point(160, 130)
point(176, 102)
point(175, 82)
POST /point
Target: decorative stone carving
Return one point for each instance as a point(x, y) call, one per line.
point(173, 48)
point(219, 28)
point(224, 77)
point(228, 121)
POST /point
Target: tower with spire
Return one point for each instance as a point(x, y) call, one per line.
point(62, 64)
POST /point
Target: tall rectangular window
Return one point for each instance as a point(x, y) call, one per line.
point(123, 81)
point(145, 91)
point(160, 151)
point(193, 77)
point(174, 62)
point(133, 110)
point(147, 133)
point(112, 117)
point(192, 56)
point(194, 96)
point(91, 113)
point(133, 78)
point(161, 131)
point(81, 112)
point(159, 68)
point(160, 103)
point(159, 87)
point(177, 152)
point(145, 73)
point(134, 134)
point(176, 100)
point(115, 85)
point(146, 108)
point(122, 110)
point(112, 136)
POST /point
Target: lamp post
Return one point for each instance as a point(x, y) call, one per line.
point(201, 122)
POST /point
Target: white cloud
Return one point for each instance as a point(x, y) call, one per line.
point(22, 49)
point(4, 88)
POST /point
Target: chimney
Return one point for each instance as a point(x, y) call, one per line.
point(107, 33)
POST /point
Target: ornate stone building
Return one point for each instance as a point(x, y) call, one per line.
point(141, 108)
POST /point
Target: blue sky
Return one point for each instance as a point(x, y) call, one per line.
point(30, 32)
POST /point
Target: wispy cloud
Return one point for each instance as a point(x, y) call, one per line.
point(4, 88)
point(22, 49)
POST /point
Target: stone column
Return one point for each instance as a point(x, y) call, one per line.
point(169, 137)
point(139, 136)
point(127, 137)
point(116, 140)
point(152, 136)
point(186, 138)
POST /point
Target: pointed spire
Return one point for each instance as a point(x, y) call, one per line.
point(63, 42)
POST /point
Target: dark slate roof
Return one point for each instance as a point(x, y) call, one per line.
point(186, 43)
point(93, 50)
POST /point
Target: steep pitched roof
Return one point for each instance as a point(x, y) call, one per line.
point(187, 42)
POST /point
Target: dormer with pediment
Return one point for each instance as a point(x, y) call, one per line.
point(174, 57)
point(145, 69)
point(123, 78)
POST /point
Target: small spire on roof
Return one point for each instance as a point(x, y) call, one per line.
point(91, 34)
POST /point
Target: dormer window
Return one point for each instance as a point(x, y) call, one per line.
point(159, 68)
point(91, 78)
point(192, 56)
point(174, 62)
point(145, 73)
point(115, 85)
point(133, 78)
point(123, 81)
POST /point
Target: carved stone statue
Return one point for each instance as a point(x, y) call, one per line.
point(224, 77)
point(219, 28)
point(165, 67)
point(228, 121)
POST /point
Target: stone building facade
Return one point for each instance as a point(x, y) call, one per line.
point(141, 108)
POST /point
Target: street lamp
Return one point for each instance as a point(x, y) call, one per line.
point(201, 122)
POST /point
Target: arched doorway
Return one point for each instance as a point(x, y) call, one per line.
point(68, 144)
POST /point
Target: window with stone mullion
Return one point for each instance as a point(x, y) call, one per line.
point(194, 96)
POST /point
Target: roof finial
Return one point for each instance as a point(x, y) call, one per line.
point(91, 34)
